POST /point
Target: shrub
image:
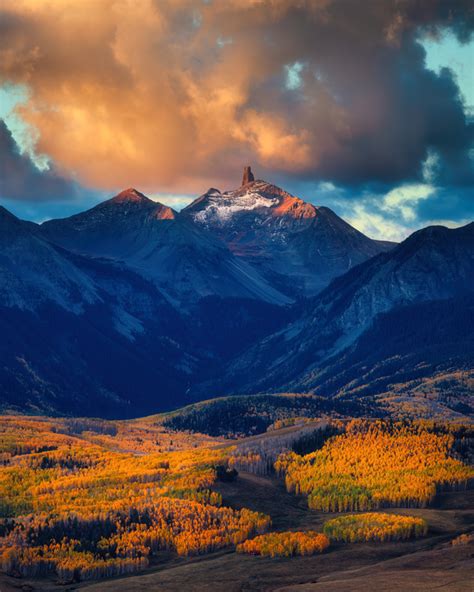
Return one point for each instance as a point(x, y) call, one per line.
point(463, 539)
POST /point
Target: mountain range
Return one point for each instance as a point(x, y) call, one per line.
point(184, 261)
point(405, 315)
point(132, 307)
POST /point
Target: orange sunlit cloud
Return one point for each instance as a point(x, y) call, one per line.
point(176, 95)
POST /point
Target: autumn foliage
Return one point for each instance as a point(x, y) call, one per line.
point(285, 544)
point(374, 527)
point(83, 511)
point(375, 467)
point(87, 498)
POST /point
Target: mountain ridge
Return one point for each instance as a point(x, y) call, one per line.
point(257, 241)
point(264, 292)
point(186, 262)
point(83, 334)
point(434, 264)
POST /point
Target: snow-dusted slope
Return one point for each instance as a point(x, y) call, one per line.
point(297, 246)
point(262, 199)
point(184, 260)
point(220, 207)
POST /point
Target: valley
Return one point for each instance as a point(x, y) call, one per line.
point(337, 447)
point(236, 296)
point(397, 566)
point(25, 442)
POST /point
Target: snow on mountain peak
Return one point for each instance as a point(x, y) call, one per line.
point(221, 207)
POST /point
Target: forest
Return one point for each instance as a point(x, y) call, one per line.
point(82, 511)
point(285, 544)
point(82, 499)
point(375, 465)
point(239, 416)
point(374, 526)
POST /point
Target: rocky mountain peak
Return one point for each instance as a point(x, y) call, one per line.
point(247, 176)
point(257, 198)
point(130, 195)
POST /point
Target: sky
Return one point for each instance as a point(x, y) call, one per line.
point(364, 107)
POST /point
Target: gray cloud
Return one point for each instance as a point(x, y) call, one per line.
point(21, 180)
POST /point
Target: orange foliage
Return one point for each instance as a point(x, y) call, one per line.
point(374, 527)
point(463, 539)
point(374, 468)
point(86, 511)
point(285, 544)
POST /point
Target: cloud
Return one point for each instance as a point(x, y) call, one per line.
point(395, 213)
point(374, 224)
point(392, 216)
point(20, 179)
point(176, 95)
point(403, 200)
point(177, 202)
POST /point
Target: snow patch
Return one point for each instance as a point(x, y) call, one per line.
point(221, 207)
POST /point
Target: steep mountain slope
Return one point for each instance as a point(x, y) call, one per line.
point(365, 323)
point(297, 246)
point(81, 335)
point(183, 260)
point(32, 271)
point(420, 354)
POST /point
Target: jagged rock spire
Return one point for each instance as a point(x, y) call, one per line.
point(248, 176)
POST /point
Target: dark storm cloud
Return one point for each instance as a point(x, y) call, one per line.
point(372, 107)
point(21, 180)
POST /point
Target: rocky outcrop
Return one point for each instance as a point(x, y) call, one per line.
point(248, 176)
